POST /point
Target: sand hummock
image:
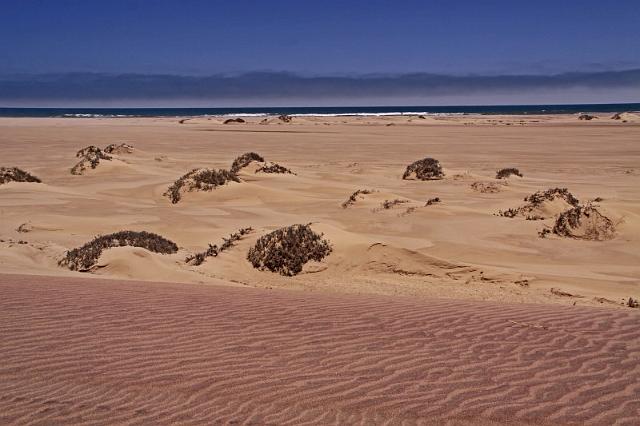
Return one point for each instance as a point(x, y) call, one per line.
point(584, 223)
point(544, 204)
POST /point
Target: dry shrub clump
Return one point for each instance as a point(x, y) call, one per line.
point(586, 117)
point(387, 204)
point(214, 250)
point(14, 174)
point(534, 209)
point(84, 258)
point(505, 173)
point(486, 187)
point(90, 156)
point(432, 201)
point(199, 180)
point(274, 168)
point(585, 223)
point(244, 160)
point(354, 197)
point(233, 120)
point(287, 250)
point(285, 118)
point(425, 169)
point(123, 148)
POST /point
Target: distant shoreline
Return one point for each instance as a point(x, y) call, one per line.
point(320, 111)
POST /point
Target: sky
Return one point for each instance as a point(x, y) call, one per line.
point(295, 44)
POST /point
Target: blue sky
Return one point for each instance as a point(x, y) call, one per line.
point(319, 38)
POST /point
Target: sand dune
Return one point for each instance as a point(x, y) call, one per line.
point(398, 250)
point(91, 351)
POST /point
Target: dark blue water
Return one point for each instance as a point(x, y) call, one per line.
point(384, 110)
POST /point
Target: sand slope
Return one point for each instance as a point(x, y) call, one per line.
point(91, 351)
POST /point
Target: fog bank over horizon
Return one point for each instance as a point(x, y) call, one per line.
point(288, 89)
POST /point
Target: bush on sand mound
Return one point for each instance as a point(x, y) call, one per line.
point(543, 204)
point(505, 173)
point(244, 160)
point(354, 197)
point(425, 169)
point(14, 174)
point(585, 223)
point(84, 258)
point(199, 180)
point(233, 120)
point(274, 168)
point(123, 148)
point(214, 250)
point(287, 250)
point(90, 156)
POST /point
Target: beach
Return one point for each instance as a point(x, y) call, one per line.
point(456, 248)
point(456, 300)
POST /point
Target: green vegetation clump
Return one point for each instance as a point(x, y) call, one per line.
point(214, 250)
point(505, 173)
point(244, 160)
point(14, 174)
point(84, 258)
point(287, 250)
point(425, 169)
point(199, 180)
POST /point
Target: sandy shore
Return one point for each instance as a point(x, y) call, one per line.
point(83, 351)
point(457, 249)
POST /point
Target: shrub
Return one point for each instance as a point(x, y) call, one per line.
point(431, 201)
point(505, 173)
point(584, 222)
point(244, 160)
point(274, 168)
point(90, 157)
point(285, 118)
point(233, 120)
point(586, 117)
point(633, 303)
point(486, 187)
point(551, 194)
point(533, 209)
point(425, 169)
point(214, 250)
point(84, 258)
point(287, 250)
point(14, 174)
point(387, 204)
point(354, 197)
point(200, 180)
point(123, 148)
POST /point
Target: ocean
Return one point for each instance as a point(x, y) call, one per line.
point(318, 111)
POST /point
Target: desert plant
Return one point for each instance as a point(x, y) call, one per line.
point(244, 160)
point(200, 180)
point(233, 120)
point(274, 168)
point(633, 303)
point(123, 148)
point(90, 156)
point(285, 118)
point(431, 201)
point(387, 204)
point(214, 250)
point(584, 222)
point(586, 117)
point(425, 169)
point(84, 258)
point(551, 194)
point(287, 250)
point(14, 174)
point(505, 173)
point(354, 197)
